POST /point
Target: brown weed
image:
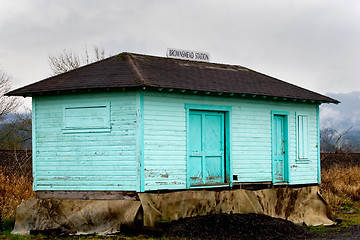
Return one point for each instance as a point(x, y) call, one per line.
point(341, 186)
point(14, 188)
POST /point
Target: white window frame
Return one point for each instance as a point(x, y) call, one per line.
point(302, 137)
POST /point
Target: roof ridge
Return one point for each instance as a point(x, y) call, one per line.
point(136, 69)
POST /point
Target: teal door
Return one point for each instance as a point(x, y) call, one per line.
point(279, 143)
point(206, 148)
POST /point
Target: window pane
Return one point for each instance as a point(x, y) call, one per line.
point(302, 140)
point(86, 117)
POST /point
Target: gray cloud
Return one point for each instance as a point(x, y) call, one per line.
point(313, 44)
point(344, 115)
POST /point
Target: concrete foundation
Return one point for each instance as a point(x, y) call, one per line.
point(299, 205)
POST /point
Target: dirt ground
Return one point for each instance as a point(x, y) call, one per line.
point(237, 226)
point(253, 226)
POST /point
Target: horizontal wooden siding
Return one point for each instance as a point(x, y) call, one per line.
point(72, 157)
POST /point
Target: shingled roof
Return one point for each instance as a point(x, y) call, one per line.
point(134, 71)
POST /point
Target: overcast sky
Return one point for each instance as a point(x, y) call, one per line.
point(313, 44)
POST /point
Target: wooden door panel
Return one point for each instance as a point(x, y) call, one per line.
point(279, 148)
point(214, 140)
point(206, 148)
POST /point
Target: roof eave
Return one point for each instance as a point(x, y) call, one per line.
point(70, 91)
point(174, 90)
point(242, 95)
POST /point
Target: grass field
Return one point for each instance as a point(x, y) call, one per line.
point(340, 187)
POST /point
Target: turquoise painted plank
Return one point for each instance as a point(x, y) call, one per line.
point(68, 184)
point(66, 181)
point(111, 144)
point(165, 143)
point(163, 109)
point(71, 156)
point(155, 127)
point(175, 184)
point(88, 167)
point(163, 137)
point(251, 166)
point(114, 136)
point(48, 115)
point(165, 123)
point(71, 180)
point(164, 175)
point(82, 141)
point(177, 160)
point(119, 115)
point(250, 153)
point(87, 154)
point(265, 145)
point(96, 163)
point(163, 151)
point(150, 134)
point(56, 174)
point(162, 186)
point(91, 187)
point(107, 156)
point(93, 147)
point(179, 170)
point(87, 178)
point(48, 132)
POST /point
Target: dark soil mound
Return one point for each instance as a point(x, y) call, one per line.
point(236, 226)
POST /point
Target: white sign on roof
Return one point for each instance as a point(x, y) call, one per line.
point(188, 55)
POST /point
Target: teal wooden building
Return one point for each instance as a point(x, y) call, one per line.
point(140, 123)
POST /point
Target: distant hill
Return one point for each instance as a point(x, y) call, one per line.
point(15, 131)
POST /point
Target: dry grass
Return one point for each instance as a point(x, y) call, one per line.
point(341, 187)
point(14, 188)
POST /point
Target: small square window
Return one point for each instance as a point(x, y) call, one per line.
point(86, 118)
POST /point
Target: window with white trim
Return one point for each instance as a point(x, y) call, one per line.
point(302, 137)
